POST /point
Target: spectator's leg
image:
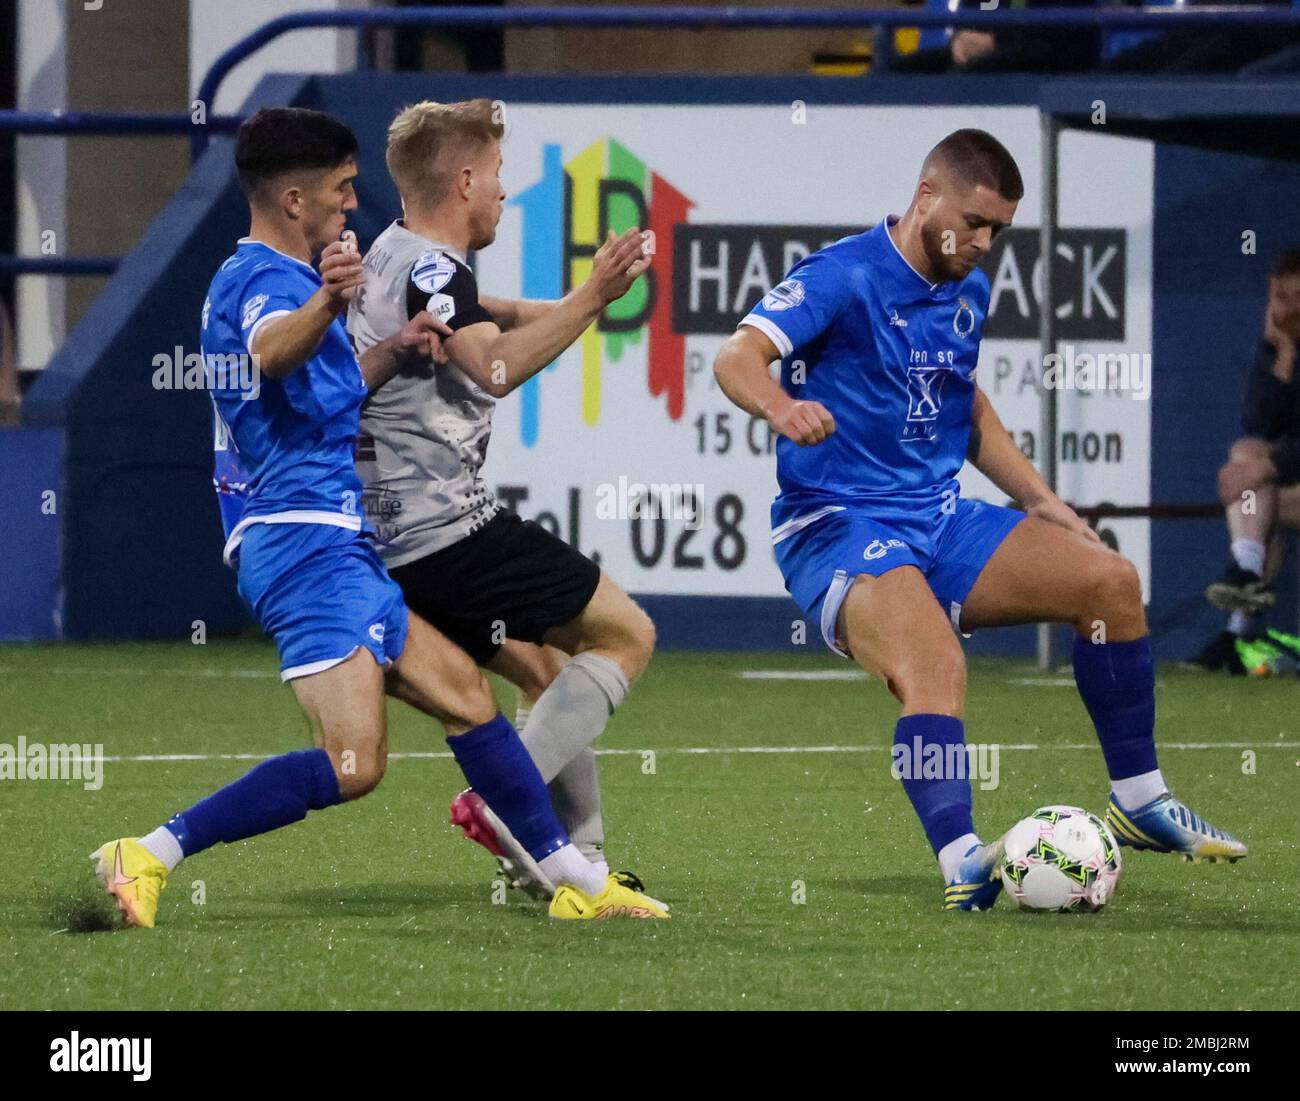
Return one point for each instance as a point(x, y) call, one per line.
point(1251, 521)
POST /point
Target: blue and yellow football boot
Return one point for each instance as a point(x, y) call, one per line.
point(1165, 825)
point(133, 876)
point(977, 882)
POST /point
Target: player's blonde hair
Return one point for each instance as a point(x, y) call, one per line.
point(428, 142)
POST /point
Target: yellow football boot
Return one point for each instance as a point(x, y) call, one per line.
point(133, 876)
point(617, 900)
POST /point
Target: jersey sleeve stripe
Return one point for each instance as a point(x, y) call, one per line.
point(775, 335)
point(248, 340)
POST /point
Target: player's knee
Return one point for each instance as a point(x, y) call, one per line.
point(359, 771)
point(1116, 587)
point(628, 639)
point(474, 703)
point(934, 679)
point(639, 642)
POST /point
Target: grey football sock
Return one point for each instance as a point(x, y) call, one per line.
point(568, 716)
point(575, 795)
point(573, 711)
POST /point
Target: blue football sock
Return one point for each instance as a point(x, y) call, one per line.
point(498, 767)
point(942, 802)
point(1117, 681)
point(276, 793)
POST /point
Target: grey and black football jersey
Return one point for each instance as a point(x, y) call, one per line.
point(424, 433)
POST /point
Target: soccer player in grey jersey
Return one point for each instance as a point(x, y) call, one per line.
point(518, 599)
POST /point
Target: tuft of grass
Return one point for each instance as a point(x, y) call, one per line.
point(81, 906)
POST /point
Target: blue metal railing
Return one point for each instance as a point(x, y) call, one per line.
point(676, 18)
point(80, 123)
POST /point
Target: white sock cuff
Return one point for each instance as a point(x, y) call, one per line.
point(952, 854)
point(609, 678)
point(1249, 555)
point(163, 844)
point(1137, 791)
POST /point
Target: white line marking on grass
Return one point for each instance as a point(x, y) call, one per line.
point(701, 751)
point(802, 674)
point(1045, 682)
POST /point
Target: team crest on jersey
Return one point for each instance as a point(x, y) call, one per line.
point(433, 271)
point(924, 400)
point(784, 296)
point(252, 309)
point(963, 321)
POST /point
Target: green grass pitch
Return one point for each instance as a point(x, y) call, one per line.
point(797, 879)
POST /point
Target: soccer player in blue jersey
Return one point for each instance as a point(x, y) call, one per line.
point(877, 408)
point(305, 564)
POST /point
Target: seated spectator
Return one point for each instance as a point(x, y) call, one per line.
point(1194, 50)
point(1258, 484)
point(1014, 49)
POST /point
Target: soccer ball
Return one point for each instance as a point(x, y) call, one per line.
point(1060, 858)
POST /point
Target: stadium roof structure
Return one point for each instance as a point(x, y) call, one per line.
point(1257, 116)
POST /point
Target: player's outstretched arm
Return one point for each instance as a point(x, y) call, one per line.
point(420, 338)
point(995, 454)
point(284, 344)
point(501, 361)
point(741, 369)
point(514, 313)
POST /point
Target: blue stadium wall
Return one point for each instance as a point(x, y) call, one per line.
point(133, 548)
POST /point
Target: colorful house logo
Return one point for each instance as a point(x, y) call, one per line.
point(566, 215)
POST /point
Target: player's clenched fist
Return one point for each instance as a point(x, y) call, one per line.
point(341, 271)
point(422, 337)
point(618, 263)
point(805, 422)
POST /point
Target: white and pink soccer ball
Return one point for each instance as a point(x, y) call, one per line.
point(1060, 858)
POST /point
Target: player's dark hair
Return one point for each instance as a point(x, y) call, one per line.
point(978, 158)
point(1287, 264)
point(281, 139)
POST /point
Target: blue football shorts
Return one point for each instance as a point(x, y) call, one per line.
point(321, 592)
point(951, 548)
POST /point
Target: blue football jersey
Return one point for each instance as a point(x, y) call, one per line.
point(892, 357)
point(290, 442)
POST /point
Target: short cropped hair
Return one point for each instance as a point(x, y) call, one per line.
point(979, 159)
point(426, 140)
point(1287, 264)
point(281, 139)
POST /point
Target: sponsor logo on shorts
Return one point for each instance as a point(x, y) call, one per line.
point(878, 548)
point(377, 632)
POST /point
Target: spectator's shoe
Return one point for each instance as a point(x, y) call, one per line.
point(1288, 644)
point(1220, 653)
point(1240, 590)
point(1262, 659)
